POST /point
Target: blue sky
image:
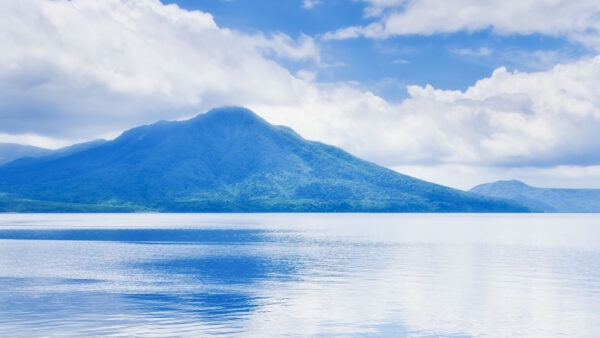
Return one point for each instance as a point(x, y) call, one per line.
point(386, 66)
point(456, 92)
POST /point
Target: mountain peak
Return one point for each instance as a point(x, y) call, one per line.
point(514, 183)
point(230, 115)
point(506, 184)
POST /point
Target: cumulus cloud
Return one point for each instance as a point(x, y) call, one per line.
point(77, 70)
point(575, 19)
point(283, 46)
point(72, 68)
point(508, 119)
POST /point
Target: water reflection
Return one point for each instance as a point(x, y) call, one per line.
point(229, 270)
point(239, 236)
point(272, 275)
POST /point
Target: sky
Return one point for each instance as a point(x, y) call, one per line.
point(457, 92)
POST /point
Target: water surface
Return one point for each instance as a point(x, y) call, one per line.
point(299, 274)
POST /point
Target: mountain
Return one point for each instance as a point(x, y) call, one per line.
point(58, 153)
point(544, 199)
point(10, 152)
point(228, 159)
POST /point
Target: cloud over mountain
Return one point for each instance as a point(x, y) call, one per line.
point(71, 68)
point(78, 70)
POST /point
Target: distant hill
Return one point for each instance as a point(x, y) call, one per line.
point(11, 151)
point(55, 154)
point(543, 199)
point(228, 159)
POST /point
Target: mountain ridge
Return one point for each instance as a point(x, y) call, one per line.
point(12, 151)
point(543, 199)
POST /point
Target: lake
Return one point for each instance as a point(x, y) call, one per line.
point(417, 275)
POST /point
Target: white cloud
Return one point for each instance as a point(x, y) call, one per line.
point(575, 19)
point(34, 140)
point(284, 46)
point(308, 4)
point(511, 118)
point(306, 75)
point(481, 51)
point(73, 70)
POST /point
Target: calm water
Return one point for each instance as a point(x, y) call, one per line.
point(298, 274)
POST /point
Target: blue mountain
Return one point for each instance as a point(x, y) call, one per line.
point(10, 152)
point(228, 159)
point(543, 199)
point(52, 154)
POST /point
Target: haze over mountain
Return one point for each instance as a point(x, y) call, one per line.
point(543, 199)
point(228, 159)
point(11, 151)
